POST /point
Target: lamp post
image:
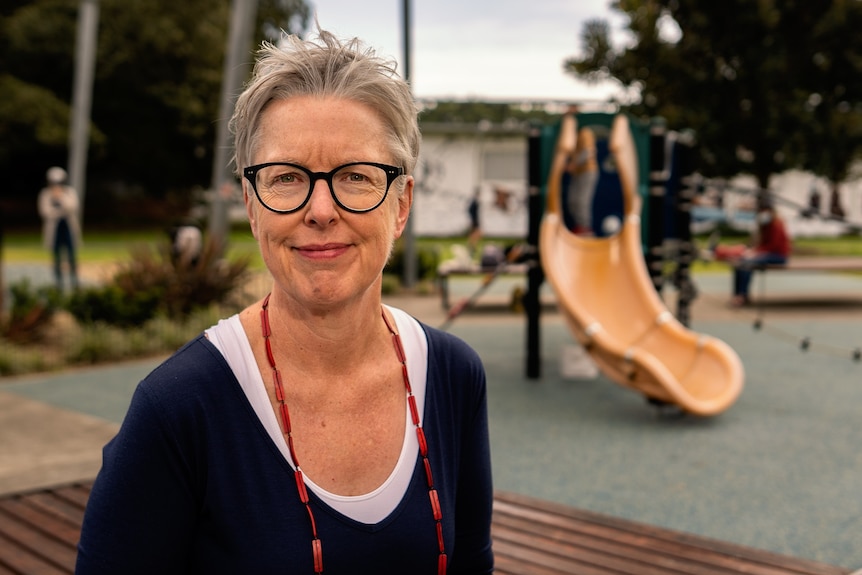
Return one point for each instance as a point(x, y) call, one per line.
point(410, 272)
point(82, 96)
point(243, 14)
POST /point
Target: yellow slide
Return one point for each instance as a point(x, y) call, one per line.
point(609, 302)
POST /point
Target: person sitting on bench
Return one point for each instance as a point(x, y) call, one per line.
point(772, 247)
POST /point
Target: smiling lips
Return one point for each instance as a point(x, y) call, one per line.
point(322, 251)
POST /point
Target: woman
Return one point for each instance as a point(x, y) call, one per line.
point(772, 247)
point(317, 430)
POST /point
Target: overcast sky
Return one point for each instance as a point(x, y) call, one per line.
point(477, 49)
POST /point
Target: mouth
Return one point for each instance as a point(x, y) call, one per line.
point(322, 251)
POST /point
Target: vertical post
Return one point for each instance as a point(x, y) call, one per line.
point(658, 175)
point(410, 271)
point(236, 64)
point(82, 96)
point(686, 183)
point(2, 283)
point(535, 273)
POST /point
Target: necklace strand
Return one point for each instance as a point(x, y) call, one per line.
point(316, 547)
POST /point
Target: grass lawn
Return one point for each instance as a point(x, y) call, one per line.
point(108, 247)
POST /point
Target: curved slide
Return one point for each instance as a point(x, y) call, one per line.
point(609, 302)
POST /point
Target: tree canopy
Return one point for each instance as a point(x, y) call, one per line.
point(155, 95)
point(766, 86)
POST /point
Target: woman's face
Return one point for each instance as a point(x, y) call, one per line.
point(322, 256)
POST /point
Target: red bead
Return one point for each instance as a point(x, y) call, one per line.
point(399, 349)
point(406, 378)
point(414, 411)
point(300, 486)
point(279, 390)
point(428, 472)
point(317, 551)
point(423, 445)
point(441, 564)
point(435, 505)
point(269, 355)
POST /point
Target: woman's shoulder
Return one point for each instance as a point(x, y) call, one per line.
point(196, 366)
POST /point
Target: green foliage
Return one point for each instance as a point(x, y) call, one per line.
point(112, 305)
point(766, 86)
point(154, 282)
point(428, 258)
point(31, 313)
point(472, 112)
point(156, 90)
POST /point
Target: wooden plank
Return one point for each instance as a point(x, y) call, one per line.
point(67, 532)
point(39, 533)
point(38, 544)
point(603, 552)
point(655, 544)
point(50, 503)
point(22, 562)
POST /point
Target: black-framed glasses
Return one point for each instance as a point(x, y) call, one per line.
point(357, 187)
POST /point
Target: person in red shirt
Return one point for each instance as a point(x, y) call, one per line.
point(771, 248)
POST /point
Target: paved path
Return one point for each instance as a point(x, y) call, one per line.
point(781, 470)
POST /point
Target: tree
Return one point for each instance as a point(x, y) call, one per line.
point(743, 75)
point(155, 94)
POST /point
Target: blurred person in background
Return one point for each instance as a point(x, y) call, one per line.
point(61, 232)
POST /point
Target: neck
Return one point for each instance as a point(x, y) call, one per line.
point(326, 342)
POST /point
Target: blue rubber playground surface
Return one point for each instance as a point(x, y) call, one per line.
point(781, 470)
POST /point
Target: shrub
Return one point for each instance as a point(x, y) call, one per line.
point(181, 287)
point(31, 312)
point(111, 304)
point(153, 282)
point(427, 261)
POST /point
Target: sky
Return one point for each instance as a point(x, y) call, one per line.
point(477, 49)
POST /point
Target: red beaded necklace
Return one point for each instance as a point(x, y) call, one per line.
point(316, 548)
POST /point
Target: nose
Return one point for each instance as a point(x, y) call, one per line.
point(321, 208)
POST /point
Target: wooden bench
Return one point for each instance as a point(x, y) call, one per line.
point(818, 264)
point(542, 538)
point(39, 533)
point(444, 273)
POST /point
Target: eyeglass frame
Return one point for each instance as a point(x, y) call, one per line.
point(392, 173)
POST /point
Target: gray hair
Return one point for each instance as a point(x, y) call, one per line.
point(328, 67)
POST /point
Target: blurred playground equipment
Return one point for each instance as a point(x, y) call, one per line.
point(610, 300)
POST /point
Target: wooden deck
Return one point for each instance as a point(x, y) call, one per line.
point(39, 532)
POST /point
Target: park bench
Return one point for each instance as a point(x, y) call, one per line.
point(39, 531)
point(818, 264)
point(475, 270)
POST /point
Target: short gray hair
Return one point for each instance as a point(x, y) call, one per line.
point(328, 67)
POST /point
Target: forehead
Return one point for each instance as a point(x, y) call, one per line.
point(320, 132)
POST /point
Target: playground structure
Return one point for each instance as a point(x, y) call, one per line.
point(611, 302)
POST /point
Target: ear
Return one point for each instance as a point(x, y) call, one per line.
point(405, 202)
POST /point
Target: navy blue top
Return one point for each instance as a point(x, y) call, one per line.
point(192, 483)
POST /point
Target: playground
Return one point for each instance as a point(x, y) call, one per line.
point(752, 439)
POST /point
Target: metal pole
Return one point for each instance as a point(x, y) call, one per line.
point(236, 65)
point(82, 96)
point(410, 272)
point(535, 273)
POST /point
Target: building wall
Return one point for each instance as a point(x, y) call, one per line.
point(452, 167)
